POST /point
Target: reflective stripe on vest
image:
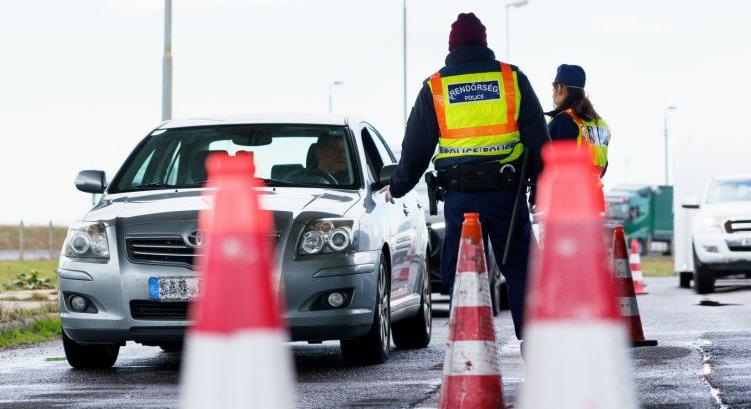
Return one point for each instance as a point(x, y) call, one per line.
point(479, 117)
point(595, 134)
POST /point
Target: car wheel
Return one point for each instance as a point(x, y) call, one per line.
point(171, 346)
point(495, 292)
point(685, 278)
point(373, 348)
point(81, 356)
point(703, 277)
point(414, 332)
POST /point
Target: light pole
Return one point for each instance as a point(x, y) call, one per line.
point(514, 4)
point(665, 128)
point(404, 58)
point(167, 63)
point(331, 98)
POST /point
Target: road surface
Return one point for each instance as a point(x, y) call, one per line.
point(703, 361)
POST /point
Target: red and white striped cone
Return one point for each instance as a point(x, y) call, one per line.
point(629, 306)
point(575, 341)
point(635, 260)
point(235, 355)
point(471, 370)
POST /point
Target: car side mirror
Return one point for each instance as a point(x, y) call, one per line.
point(690, 202)
point(384, 177)
point(91, 181)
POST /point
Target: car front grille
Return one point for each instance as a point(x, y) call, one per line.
point(157, 310)
point(732, 226)
point(168, 250)
point(739, 245)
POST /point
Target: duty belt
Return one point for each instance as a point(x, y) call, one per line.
point(478, 177)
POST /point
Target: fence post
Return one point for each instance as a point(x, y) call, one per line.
point(20, 241)
point(50, 242)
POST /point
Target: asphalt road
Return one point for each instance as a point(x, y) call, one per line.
point(703, 361)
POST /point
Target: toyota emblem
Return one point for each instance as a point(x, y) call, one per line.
point(195, 239)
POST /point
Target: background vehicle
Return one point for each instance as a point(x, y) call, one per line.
point(645, 212)
point(696, 162)
point(721, 232)
point(354, 267)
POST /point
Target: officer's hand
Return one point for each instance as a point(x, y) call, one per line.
point(385, 190)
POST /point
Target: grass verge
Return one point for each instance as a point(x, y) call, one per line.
point(657, 266)
point(39, 330)
point(9, 270)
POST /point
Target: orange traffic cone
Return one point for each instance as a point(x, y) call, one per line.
point(625, 289)
point(576, 343)
point(635, 260)
point(235, 354)
point(471, 370)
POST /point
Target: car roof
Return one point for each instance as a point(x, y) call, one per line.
point(302, 119)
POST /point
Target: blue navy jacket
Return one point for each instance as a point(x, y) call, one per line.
point(422, 133)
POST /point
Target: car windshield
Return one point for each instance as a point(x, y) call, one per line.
point(729, 191)
point(617, 208)
point(284, 155)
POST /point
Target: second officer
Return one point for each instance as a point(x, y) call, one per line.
point(483, 115)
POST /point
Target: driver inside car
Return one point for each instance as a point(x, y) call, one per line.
point(332, 158)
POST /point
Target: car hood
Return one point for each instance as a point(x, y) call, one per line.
point(185, 204)
point(729, 210)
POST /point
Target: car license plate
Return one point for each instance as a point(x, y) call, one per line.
point(745, 242)
point(173, 288)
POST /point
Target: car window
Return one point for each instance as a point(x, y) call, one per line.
point(284, 155)
point(372, 156)
point(382, 146)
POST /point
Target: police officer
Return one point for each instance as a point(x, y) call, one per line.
point(574, 117)
point(484, 116)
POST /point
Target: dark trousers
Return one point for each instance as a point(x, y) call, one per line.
point(495, 215)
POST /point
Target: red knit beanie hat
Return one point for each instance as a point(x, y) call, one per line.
point(467, 30)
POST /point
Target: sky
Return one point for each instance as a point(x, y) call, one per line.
point(80, 80)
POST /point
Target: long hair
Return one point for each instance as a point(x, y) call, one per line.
point(577, 100)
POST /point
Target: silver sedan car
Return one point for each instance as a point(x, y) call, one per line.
point(352, 266)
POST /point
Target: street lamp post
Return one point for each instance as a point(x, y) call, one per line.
point(331, 97)
point(404, 59)
point(167, 63)
point(514, 4)
point(665, 129)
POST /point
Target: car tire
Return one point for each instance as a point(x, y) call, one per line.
point(495, 294)
point(95, 356)
point(176, 346)
point(703, 277)
point(373, 348)
point(685, 278)
point(414, 332)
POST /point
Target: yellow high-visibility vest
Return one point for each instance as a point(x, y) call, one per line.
point(595, 134)
point(477, 115)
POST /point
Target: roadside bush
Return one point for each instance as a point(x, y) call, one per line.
point(29, 281)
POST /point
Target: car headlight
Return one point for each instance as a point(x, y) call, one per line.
point(87, 240)
point(326, 236)
point(712, 221)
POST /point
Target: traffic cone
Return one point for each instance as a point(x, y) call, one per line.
point(635, 260)
point(626, 292)
point(471, 370)
point(235, 355)
point(576, 343)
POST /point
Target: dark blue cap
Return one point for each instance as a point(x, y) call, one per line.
point(571, 76)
